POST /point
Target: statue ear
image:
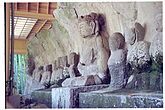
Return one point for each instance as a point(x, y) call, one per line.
point(93, 25)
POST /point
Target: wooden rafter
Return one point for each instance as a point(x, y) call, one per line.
point(37, 10)
point(40, 27)
point(49, 26)
point(34, 15)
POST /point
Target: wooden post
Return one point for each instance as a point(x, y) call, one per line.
point(7, 39)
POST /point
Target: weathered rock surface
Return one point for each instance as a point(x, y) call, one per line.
point(64, 36)
point(121, 99)
point(68, 97)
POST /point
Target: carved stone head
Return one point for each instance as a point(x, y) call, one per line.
point(40, 68)
point(116, 41)
point(73, 59)
point(88, 25)
point(63, 61)
point(49, 68)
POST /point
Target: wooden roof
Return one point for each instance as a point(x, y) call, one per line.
point(30, 18)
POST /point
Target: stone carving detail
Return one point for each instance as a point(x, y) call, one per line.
point(88, 25)
point(117, 61)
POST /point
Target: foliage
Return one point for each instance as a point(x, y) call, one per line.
point(20, 61)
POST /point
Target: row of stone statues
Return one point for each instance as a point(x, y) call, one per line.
point(130, 56)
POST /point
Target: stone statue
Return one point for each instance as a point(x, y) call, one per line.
point(138, 53)
point(56, 73)
point(46, 76)
point(138, 58)
point(94, 54)
point(60, 71)
point(117, 61)
point(37, 73)
point(73, 60)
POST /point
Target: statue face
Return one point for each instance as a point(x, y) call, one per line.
point(85, 28)
point(88, 25)
point(73, 59)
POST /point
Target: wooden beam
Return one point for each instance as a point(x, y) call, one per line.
point(44, 22)
point(31, 30)
point(48, 26)
point(34, 15)
point(20, 46)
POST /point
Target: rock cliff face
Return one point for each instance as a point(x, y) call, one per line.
point(64, 37)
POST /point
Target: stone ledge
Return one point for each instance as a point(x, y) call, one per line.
point(68, 97)
point(43, 96)
point(121, 99)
